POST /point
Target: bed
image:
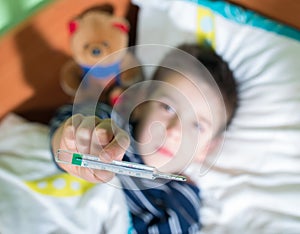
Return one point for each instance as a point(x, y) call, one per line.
point(252, 184)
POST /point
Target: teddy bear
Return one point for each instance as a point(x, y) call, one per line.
point(100, 62)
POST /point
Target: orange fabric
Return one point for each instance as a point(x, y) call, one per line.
point(32, 56)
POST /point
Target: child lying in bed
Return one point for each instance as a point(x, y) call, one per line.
point(179, 122)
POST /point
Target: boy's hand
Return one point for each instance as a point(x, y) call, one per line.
point(91, 135)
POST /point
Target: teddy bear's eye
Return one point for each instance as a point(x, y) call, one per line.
point(105, 43)
point(96, 51)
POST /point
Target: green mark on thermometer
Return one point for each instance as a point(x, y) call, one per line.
point(77, 159)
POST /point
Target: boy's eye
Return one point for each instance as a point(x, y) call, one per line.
point(168, 108)
point(198, 126)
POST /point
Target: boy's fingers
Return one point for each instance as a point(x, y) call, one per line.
point(116, 149)
point(93, 176)
point(84, 132)
point(101, 136)
point(103, 176)
point(75, 120)
point(69, 131)
point(105, 131)
point(69, 138)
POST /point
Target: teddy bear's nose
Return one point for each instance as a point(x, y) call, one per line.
point(96, 51)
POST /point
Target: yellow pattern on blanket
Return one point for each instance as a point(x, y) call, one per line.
point(60, 185)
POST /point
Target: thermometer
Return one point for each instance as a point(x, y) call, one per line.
point(118, 167)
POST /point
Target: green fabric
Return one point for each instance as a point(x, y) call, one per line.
point(13, 12)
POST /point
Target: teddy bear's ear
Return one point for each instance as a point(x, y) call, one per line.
point(73, 26)
point(122, 25)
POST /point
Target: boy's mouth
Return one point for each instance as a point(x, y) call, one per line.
point(166, 152)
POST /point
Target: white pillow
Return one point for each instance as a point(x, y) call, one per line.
point(254, 186)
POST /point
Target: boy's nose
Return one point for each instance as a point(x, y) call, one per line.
point(174, 127)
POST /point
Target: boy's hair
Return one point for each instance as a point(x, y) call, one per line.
point(217, 67)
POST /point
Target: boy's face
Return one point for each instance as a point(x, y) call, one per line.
point(178, 123)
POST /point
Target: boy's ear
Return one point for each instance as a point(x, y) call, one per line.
point(209, 149)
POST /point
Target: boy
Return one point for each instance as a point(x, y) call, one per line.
point(178, 123)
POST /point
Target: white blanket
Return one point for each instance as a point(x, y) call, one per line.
point(35, 197)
